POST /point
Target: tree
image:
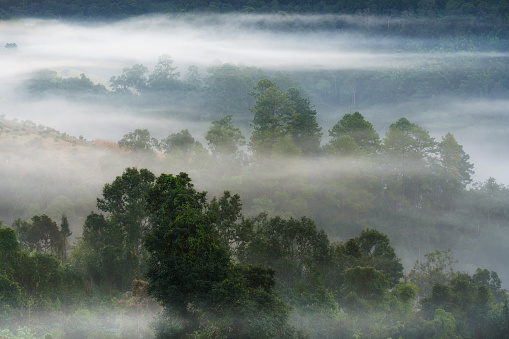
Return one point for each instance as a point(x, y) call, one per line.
point(409, 141)
point(227, 88)
point(165, 77)
point(65, 233)
point(411, 153)
point(138, 141)
point(124, 201)
point(226, 216)
point(367, 283)
point(306, 134)
point(353, 135)
point(377, 246)
point(223, 138)
point(182, 141)
point(64, 227)
point(273, 113)
point(101, 254)
point(132, 80)
point(193, 276)
point(44, 235)
point(185, 261)
point(436, 269)
point(9, 245)
point(456, 171)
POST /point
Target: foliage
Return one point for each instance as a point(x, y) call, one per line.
point(42, 235)
point(132, 80)
point(436, 269)
point(377, 245)
point(165, 77)
point(179, 142)
point(191, 272)
point(111, 248)
point(353, 135)
point(138, 141)
point(223, 138)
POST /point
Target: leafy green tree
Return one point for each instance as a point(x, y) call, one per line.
point(410, 152)
point(45, 236)
point(183, 258)
point(22, 229)
point(436, 269)
point(410, 141)
point(226, 216)
point(298, 252)
point(100, 254)
point(490, 279)
point(124, 201)
point(165, 76)
point(132, 80)
point(283, 123)
point(65, 233)
point(64, 227)
point(353, 135)
point(405, 294)
point(10, 294)
point(366, 283)
point(223, 138)
point(455, 167)
point(444, 325)
point(273, 114)
point(9, 245)
point(193, 80)
point(193, 276)
point(306, 134)
point(138, 141)
point(377, 246)
point(182, 141)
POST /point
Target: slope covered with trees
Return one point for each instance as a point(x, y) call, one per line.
point(218, 273)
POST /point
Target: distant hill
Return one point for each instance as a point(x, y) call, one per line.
point(46, 171)
point(490, 15)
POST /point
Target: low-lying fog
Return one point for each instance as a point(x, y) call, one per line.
point(102, 50)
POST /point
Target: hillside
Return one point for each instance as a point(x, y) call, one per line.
point(46, 171)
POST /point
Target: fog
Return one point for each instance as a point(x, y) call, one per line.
point(102, 49)
point(189, 40)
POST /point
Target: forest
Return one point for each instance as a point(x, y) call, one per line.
point(254, 169)
point(303, 255)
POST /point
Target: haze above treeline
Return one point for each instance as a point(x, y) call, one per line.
point(90, 90)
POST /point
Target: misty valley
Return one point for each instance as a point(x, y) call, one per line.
point(254, 173)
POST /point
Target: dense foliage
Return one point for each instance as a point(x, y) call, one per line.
point(218, 273)
point(317, 245)
point(488, 11)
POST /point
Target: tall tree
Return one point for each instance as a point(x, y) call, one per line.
point(45, 236)
point(138, 141)
point(132, 80)
point(65, 233)
point(306, 134)
point(406, 140)
point(273, 114)
point(124, 201)
point(192, 274)
point(182, 141)
point(165, 76)
point(353, 135)
point(223, 138)
point(455, 167)
point(377, 246)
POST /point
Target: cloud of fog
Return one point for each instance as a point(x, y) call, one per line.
point(268, 41)
point(476, 124)
point(199, 40)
